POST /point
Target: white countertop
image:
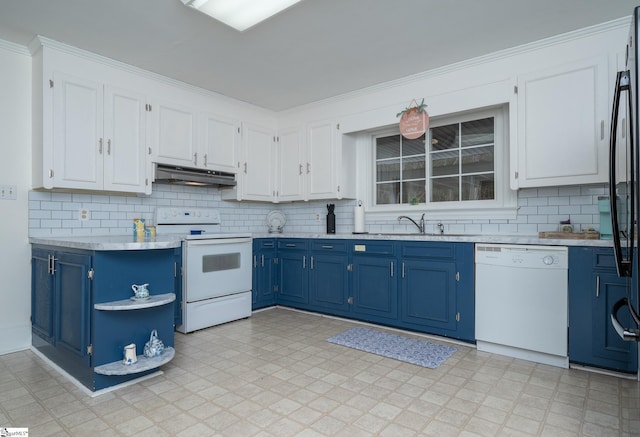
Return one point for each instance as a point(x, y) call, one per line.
point(128, 242)
point(109, 242)
point(469, 238)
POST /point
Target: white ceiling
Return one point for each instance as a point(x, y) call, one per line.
point(312, 51)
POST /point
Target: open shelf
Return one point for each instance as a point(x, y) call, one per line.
point(143, 364)
point(132, 304)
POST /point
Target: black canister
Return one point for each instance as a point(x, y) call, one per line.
point(331, 219)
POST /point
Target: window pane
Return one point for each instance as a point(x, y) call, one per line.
point(388, 170)
point(388, 194)
point(388, 147)
point(478, 187)
point(477, 132)
point(413, 168)
point(477, 159)
point(444, 163)
point(444, 137)
point(444, 189)
point(413, 147)
point(413, 192)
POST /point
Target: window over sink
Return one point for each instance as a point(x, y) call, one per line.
point(459, 165)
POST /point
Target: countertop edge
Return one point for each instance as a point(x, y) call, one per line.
point(109, 242)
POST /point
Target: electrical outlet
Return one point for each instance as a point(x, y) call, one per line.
point(83, 215)
point(317, 216)
point(8, 192)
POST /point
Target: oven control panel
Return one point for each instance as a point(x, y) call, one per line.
point(187, 215)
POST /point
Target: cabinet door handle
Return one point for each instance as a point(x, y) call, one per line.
point(602, 129)
point(255, 262)
point(300, 169)
point(262, 260)
point(327, 247)
point(108, 147)
point(195, 158)
point(598, 286)
point(304, 261)
point(245, 168)
point(311, 262)
point(100, 146)
point(308, 168)
point(205, 159)
point(403, 270)
point(391, 268)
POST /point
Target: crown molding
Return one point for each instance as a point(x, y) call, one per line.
point(472, 62)
point(40, 41)
point(13, 47)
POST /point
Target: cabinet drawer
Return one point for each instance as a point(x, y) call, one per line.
point(267, 243)
point(427, 250)
point(293, 244)
point(373, 247)
point(604, 258)
point(329, 246)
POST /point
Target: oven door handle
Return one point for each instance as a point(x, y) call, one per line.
point(213, 240)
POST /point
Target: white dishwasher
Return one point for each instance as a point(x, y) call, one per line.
point(521, 302)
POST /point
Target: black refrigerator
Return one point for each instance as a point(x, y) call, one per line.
point(624, 187)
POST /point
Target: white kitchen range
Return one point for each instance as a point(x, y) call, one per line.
point(216, 277)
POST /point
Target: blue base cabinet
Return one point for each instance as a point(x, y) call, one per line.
point(264, 273)
point(328, 276)
point(594, 287)
point(421, 286)
point(83, 315)
point(374, 284)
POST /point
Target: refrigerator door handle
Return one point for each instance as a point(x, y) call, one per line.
point(624, 266)
point(624, 333)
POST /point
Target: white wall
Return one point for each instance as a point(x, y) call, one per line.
point(15, 169)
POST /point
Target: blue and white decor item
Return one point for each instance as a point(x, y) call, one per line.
point(154, 346)
point(410, 350)
point(129, 353)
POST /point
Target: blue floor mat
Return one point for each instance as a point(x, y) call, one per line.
point(411, 350)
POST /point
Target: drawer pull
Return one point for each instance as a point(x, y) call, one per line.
point(327, 247)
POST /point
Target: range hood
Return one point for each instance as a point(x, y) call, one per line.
point(171, 174)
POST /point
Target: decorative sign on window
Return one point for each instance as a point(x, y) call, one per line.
point(414, 120)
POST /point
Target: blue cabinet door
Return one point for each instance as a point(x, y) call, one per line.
point(428, 295)
point(594, 287)
point(375, 288)
point(264, 273)
point(42, 306)
point(329, 282)
point(73, 304)
point(293, 277)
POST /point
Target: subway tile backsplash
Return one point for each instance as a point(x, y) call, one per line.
point(58, 214)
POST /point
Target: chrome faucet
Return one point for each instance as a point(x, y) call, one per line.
point(440, 228)
point(419, 225)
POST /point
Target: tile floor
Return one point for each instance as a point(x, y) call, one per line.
point(274, 375)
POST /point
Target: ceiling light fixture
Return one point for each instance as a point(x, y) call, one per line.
point(240, 14)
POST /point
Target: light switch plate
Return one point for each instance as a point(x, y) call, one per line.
point(8, 192)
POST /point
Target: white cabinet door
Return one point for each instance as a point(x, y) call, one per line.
point(125, 151)
point(563, 125)
point(257, 169)
point(322, 163)
point(77, 132)
point(219, 142)
point(173, 131)
point(290, 166)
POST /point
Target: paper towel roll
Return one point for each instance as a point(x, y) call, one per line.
point(358, 218)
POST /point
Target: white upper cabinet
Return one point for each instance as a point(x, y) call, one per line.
point(330, 162)
point(125, 152)
point(77, 133)
point(255, 179)
point(98, 137)
point(173, 132)
point(289, 170)
point(219, 140)
point(563, 125)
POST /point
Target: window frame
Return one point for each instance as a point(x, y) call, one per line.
point(503, 206)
